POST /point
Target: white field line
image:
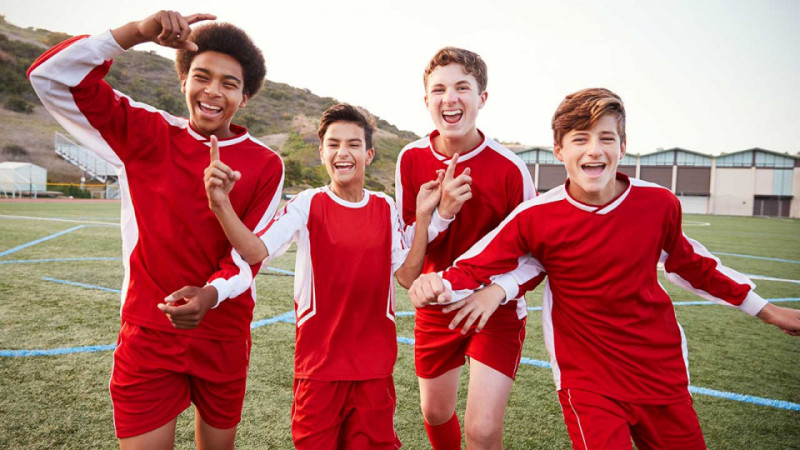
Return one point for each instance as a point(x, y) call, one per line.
point(53, 219)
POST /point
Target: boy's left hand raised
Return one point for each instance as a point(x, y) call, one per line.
point(189, 314)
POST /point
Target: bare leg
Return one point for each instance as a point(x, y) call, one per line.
point(210, 438)
point(438, 396)
point(162, 437)
point(486, 406)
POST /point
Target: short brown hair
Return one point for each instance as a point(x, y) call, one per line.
point(347, 113)
point(471, 62)
point(229, 40)
point(581, 110)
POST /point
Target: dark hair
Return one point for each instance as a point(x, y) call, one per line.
point(347, 113)
point(229, 40)
point(470, 62)
point(581, 110)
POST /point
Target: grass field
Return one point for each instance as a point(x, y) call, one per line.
point(62, 400)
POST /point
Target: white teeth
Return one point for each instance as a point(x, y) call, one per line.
point(211, 107)
point(343, 165)
point(594, 165)
point(451, 113)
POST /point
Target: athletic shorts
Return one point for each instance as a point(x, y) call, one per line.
point(157, 374)
point(595, 421)
point(438, 349)
point(344, 414)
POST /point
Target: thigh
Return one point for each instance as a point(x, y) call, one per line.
point(369, 416)
point(487, 397)
point(318, 413)
point(437, 348)
point(499, 344)
point(148, 388)
point(594, 421)
point(673, 426)
point(218, 376)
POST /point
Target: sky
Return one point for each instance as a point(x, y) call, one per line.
point(710, 76)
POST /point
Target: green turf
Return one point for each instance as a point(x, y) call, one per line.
point(63, 401)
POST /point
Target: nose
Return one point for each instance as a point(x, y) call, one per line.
point(212, 88)
point(449, 95)
point(595, 147)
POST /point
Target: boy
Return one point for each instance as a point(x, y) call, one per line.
point(349, 244)
point(455, 90)
point(618, 354)
point(170, 356)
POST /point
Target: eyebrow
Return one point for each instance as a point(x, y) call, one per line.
point(208, 72)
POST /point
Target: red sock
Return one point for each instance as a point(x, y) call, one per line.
point(446, 436)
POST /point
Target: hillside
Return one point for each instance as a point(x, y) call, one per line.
point(283, 116)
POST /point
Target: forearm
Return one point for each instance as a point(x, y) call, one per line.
point(415, 259)
point(128, 35)
point(247, 244)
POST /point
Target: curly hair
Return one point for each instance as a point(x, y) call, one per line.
point(581, 110)
point(471, 62)
point(229, 40)
point(347, 113)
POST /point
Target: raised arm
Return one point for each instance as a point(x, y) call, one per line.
point(427, 199)
point(167, 28)
point(219, 181)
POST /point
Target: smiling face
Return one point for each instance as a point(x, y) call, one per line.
point(345, 155)
point(214, 92)
point(591, 158)
point(453, 99)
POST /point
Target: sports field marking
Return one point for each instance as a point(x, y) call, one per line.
point(28, 261)
point(691, 223)
point(757, 257)
point(38, 241)
point(84, 285)
point(57, 219)
point(57, 351)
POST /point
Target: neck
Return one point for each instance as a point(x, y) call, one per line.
point(352, 194)
point(460, 145)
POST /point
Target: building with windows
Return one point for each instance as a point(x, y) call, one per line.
point(749, 182)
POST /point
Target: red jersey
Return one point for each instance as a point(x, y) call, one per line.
point(343, 287)
point(608, 325)
point(500, 182)
point(170, 238)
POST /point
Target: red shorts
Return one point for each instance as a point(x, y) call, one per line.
point(344, 414)
point(157, 374)
point(596, 421)
point(438, 349)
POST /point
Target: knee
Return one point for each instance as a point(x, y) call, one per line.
point(436, 414)
point(484, 433)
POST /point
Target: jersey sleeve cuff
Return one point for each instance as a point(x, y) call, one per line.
point(223, 290)
point(437, 225)
point(509, 285)
point(109, 47)
point(753, 304)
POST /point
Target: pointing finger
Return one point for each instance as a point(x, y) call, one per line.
point(194, 18)
point(214, 149)
point(451, 168)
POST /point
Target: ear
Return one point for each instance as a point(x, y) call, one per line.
point(243, 103)
point(622, 150)
point(321, 159)
point(426, 100)
point(370, 155)
point(558, 152)
point(183, 86)
point(484, 95)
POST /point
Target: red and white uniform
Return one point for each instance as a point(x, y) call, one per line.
point(609, 326)
point(170, 238)
point(347, 254)
point(500, 182)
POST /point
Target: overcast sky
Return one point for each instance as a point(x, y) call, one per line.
point(705, 75)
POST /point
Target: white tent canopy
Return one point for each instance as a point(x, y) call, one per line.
point(18, 178)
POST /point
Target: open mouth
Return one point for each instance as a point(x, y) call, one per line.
point(452, 116)
point(343, 165)
point(208, 109)
point(593, 169)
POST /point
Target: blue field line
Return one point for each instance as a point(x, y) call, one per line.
point(281, 271)
point(535, 362)
point(83, 285)
point(57, 351)
point(778, 404)
point(287, 317)
point(757, 257)
point(38, 241)
point(27, 261)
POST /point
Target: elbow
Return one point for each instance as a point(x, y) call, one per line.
point(404, 278)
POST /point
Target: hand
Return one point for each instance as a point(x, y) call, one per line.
point(480, 305)
point(170, 29)
point(455, 191)
point(787, 319)
point(429, 195)
point(196, 302)
point(219, 179)
point(429, 289)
